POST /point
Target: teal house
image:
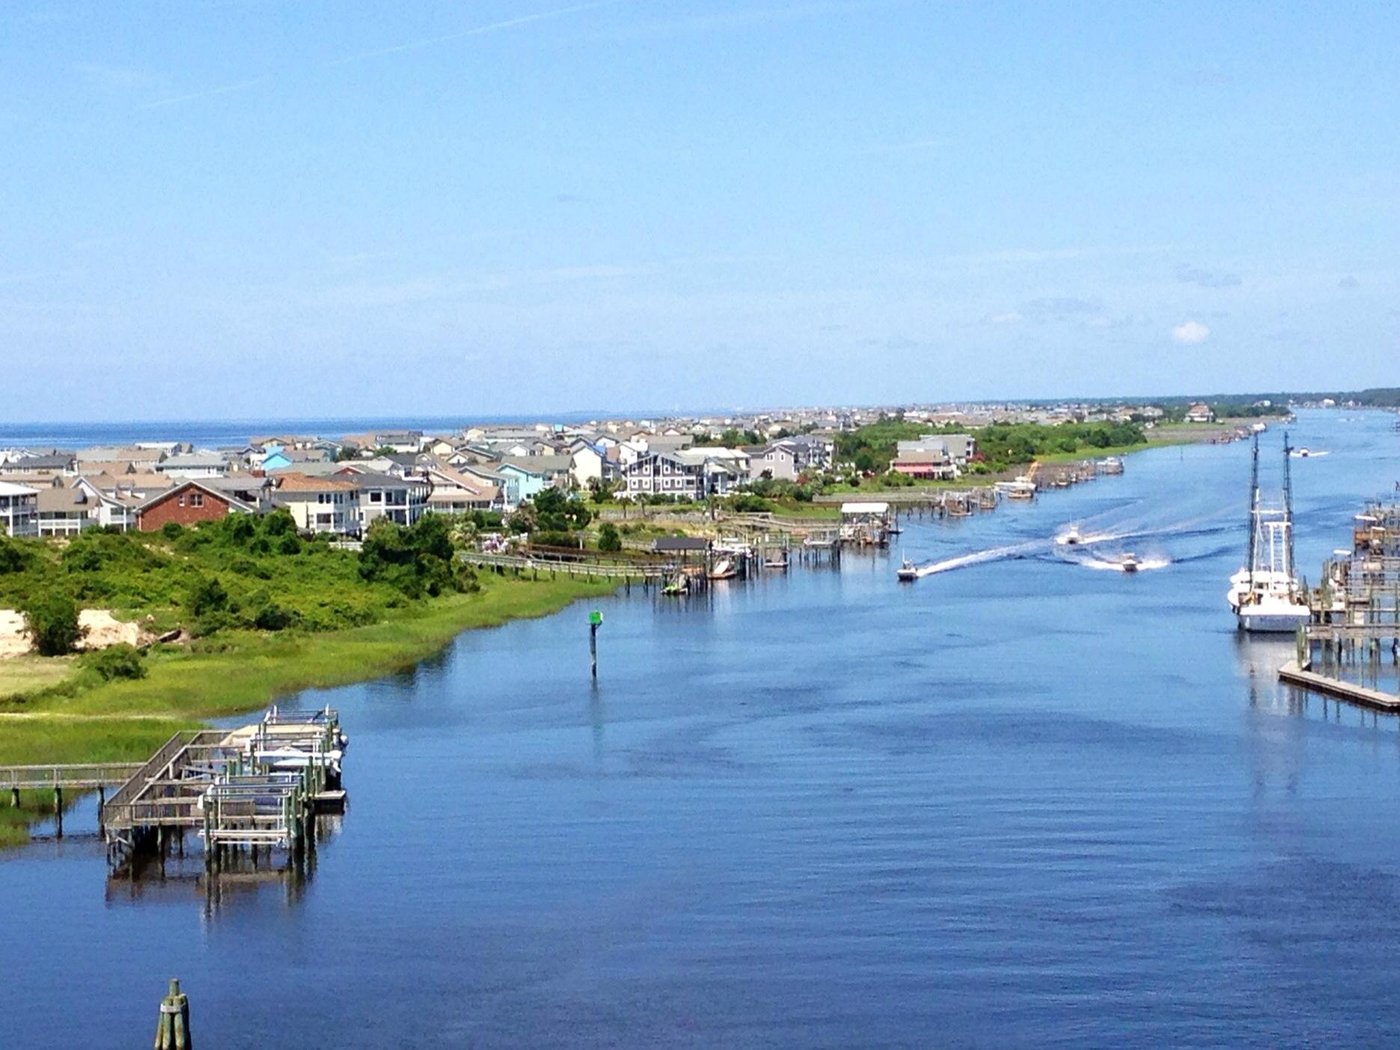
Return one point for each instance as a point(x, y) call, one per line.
point(274, 458)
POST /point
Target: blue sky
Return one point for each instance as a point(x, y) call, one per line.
point(242, 208)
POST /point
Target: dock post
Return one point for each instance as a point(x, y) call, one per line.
point(14, 797)
point(58, 811)
point(173, 1027)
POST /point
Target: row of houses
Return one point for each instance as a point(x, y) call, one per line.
point(345, 505)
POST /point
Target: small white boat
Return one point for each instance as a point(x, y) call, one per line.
point(724, 569)
point(1070, 537)
point(779, 563)
point(1129, 562)
point(907, 572)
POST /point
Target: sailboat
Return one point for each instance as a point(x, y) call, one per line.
point(1265, 595)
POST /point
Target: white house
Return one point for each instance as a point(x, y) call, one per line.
point(320, 504)
point(19, 509)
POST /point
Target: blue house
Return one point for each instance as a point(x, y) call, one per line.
point(274, 458)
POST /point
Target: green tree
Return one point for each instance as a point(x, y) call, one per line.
point(608, 538)
point(51, 618)
point(418, 560)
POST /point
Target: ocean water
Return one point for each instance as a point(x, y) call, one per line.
point(221, 433)
point(1027, 801)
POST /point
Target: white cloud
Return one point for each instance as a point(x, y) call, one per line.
point(1192, 333)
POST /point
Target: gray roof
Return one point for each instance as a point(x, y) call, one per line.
point(193, 459)
point(540, 464)
point(51, 461)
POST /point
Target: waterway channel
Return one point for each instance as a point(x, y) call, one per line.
point(1025, 801)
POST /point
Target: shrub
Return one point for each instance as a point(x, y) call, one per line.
point(279, 523)
point(272, 617)
point(288, 544)
point(207, 595)
point(171, 529)
point(12, 558)
point(52, 621)
point(417, 560)
point(117, 661)
point(550, 538)
point(608, 538)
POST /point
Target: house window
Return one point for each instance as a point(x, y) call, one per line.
point(180, 499)
point(376, 497)
point(196, 499)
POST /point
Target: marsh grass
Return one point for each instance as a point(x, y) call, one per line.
point(84, 719)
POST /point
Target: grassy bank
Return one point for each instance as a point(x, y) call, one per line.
point(237, 671)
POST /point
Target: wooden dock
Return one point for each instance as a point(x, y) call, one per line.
point(257, 786)
point(581, 566)
point(58, 778)
point(1293, 674)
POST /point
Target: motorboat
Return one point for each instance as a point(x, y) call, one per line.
point(780, 562)
point(907, 572)
point(1129, 562)
point(1071, 537)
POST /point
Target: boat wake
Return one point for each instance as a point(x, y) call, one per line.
point(1015, 550)
point(1108, 563)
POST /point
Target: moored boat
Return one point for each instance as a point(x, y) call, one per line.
point(724, 569)
point(1265, 595)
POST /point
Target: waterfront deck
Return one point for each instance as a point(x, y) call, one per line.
point(256, 786)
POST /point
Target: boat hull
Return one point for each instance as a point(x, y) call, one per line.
point(1256, 622)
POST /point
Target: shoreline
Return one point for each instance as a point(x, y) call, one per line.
point(242, 672)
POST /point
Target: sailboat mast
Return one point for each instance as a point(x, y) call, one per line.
point(1287, 504)
point(1253, 509)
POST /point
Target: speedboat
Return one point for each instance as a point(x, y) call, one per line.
point(1071, 538)
point(1129, 562)
point(907, 572)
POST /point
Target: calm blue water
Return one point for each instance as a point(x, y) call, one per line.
point(1022, 803)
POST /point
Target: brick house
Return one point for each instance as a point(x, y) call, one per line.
point(187, 504)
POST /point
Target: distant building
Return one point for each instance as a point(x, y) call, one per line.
point(1200, 413)
point(320, 504)
point(19, 510)
point(187, 504)
point(691, 473)
point(401, 500)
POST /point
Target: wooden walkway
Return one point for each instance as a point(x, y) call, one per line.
point(79, 777)
point(1294, 674)
point(582, 568)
